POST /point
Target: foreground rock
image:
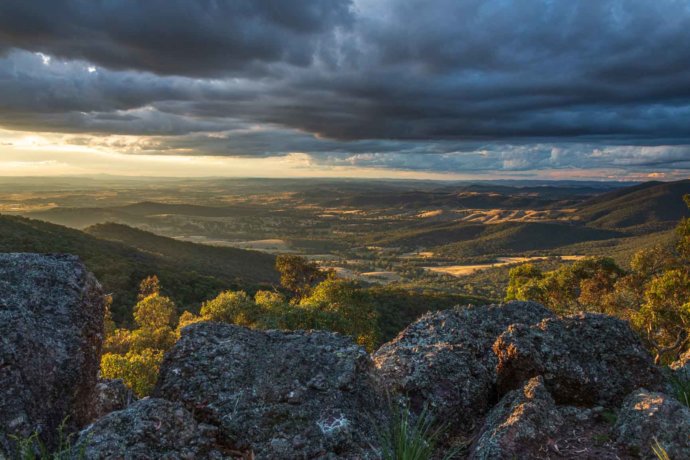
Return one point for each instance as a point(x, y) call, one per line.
point(585, 359)
point(527, 423)
point(149, 429)
point(445, 360)
point(520, 426)
point(278, 395)
point(51, 329)
point(111, 395)
point(648, 417)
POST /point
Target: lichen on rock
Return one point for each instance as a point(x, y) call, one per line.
point(520, 425)
point(650, 417)
point(111, 395)
point(279, 395)
point(149, 429)
point(51, 331)
point(586, 359)
point(444, 359)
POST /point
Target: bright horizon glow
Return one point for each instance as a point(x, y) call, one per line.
point(49, 154)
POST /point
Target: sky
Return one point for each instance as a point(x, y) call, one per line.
point(543, 89)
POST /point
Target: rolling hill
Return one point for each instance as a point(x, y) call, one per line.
point(189, 273)
point(611, 219)
point(477, 239)
point(512, 238)
point(133, 214)
point(231, 262)
point(651, 205)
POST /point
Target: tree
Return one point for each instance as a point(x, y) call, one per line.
point(524, 283)
point(587, 285)
point(139, 371)
point(187, 318)
point(652, 261)
point(298, 275)
point(118, 341)
point(156, 317)
point(269, 300)
point(149, 286)
point(135, 356)
point(629, 291)
point(665, 315)
point(353, 310)
point(155, 311)
point(108, 322)
point(160, 339)
point(597, 281)
point(234, 307)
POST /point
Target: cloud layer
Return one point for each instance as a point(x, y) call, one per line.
point(410, 84)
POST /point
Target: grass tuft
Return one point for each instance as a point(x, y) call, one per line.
point(680, 382)
point(412, 438)
point(659, 451)
point(32, 448)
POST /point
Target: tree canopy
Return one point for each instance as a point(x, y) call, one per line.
point(653, 294)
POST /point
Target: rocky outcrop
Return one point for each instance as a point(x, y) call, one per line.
point(149, 429)
point(230, 392)
point(647, 418)
point(111, 395)
point(586, 359)
point(51, 330)
point(521, 425)
point(445, 359)
point(278, 395)
point(527, 423)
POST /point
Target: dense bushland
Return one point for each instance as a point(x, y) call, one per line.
point(653, 294)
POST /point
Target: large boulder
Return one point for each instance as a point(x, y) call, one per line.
point(586, 359)
point(647, 418)
point(521, 425)
point(149, 429)
point(444, 359)
point(51, 329)
point(278, 395)
point(527, 423)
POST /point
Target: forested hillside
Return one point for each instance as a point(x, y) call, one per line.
point(190, 273)
point(648, 205)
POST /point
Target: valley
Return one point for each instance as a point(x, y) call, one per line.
point(457, 238)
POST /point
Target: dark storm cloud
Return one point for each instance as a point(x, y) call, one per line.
point(188, 37)
point(481, 84)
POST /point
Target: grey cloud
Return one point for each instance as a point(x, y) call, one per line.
point(461, 85)
point(182, 37)
point(519, 158)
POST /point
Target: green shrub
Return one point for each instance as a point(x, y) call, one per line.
point(139, 370)
point(234, 307)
